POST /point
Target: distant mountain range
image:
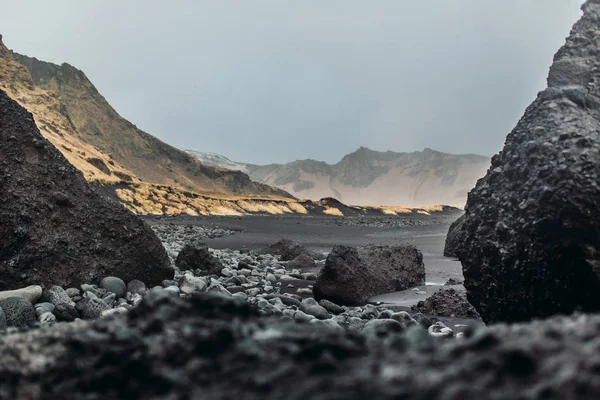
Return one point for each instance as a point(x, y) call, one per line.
point(369, 177)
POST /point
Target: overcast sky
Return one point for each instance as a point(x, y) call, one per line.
point(272, 81)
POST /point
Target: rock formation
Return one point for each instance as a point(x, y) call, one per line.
point(213, 348)
point(288, 250)
point(454, 238)
point(352, 275)
point(531, 243)
point(55, 229)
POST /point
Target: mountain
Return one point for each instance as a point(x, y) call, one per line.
point(372, 177)
point(218, 160)
point(63, 99)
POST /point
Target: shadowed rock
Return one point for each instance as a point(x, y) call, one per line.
point(352, 275)
point(289, 250)
point(55, 229)
point(531, 243)
point(454, 238)
point(196, 256)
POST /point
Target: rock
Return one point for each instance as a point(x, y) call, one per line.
point(453, 282)
point(381, 327)
point(174, 290)
point(55, 228)
point(311, 307)
point(331, 307)
point(302, 262)
point(328, 324)
point(370, 312)
point(304, 291)
point(3, 324)
point(405, 319)
point(41, 308)
point(448, 302)
point(195, 255)
point(18, 312)
point(531, 246)
point(454, 238)
point(47, 318)
point(352, 275)
point(440, 330)
point(136, 286)
point(31, 293)
point(73, 292)
point(289, 250)
point(356, 324)
point(190, 283)
point(91, 308)
point(113, 311)
point(301, 316)
point(290, 301)
point(423, 320)
point(64, 305)
point(114, 285)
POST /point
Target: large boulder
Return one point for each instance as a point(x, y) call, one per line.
point(531, 243)
point(55, 229)
point(196, 256)
point(447, 302)
point(352, 275)
point(454, 238)
point(288, 250)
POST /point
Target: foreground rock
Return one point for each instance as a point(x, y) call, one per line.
point(352, 275)
point(531, 246)
point(447, 302)
point(289, 250)
point(55, 229)
point(455, 237)
point(192, 349)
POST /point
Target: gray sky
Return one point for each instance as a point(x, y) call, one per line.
point(272, 81)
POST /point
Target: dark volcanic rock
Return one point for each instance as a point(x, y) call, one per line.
point(194, 256)
point(352, 275)
point(454, 238)
point(18, 311)
point(302, 262)
point(177, 349)
point(448, 302)
point(55, 229)
point(531, 243)
point(288, 250)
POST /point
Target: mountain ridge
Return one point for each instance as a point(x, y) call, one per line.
point(409, 178)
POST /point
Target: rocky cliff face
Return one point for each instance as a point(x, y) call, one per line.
point(96, 123)
point(55, 229)
point(372, 177)
point(530, 238)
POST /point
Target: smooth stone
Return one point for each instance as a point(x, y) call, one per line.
point(404, 317)
point(381, 327)
point(190, 284)
point(304, 291)
point(113, 311)
point(328, 323)
point(302, 317)
point(440, 330)
point(31, 293)
point(115, 285)
point(173, 290)
point(72, 292)
point(356, 324)
point(331, 306)
point(41, 308)
point(66, 312)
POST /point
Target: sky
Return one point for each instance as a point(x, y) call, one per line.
point(266, 81)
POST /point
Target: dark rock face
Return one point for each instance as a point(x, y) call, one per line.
point(18, 312)
point(288, 250)
point(194, 256)
point(454, 238)
point(531, 243)
point(55, 229)
point(171, 348)
point(448, 302)
point(352, 275)
point(302, 262)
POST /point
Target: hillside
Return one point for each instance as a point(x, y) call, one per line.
point(92, 120)
point(371, 177)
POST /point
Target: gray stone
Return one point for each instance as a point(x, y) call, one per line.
point(91, 308)
point(30, 293)
point(47, 318)
point(311, 307)
point(136, 286)
point(174, 290)
point(440, 330)
point(196, 256)
point(3, 324)
point(352, 275)
point(301, 316)
point(381, 327)
point(18, 312)
point(73, 292)
point(331, 306)
point(113, 311)
point(41, 308)
point(64, 305)
point(114, 285)
point(190, 283)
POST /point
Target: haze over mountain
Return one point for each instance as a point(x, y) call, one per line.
point(371, 177)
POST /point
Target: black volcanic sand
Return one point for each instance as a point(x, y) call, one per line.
point(323, 232)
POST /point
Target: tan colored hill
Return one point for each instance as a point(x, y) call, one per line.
point(65, 90)
point(372, 177)
point(54, 123)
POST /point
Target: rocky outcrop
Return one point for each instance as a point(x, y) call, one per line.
point(289, 250)
point(447, 302)
point(215, 348)
point(352, 275)
point(454, 238)
point(55, 229)
point(531, 246)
